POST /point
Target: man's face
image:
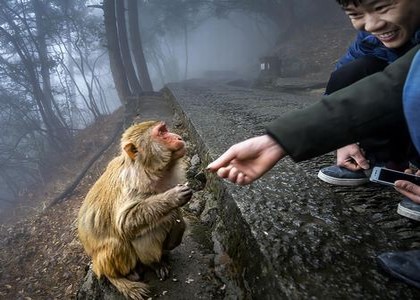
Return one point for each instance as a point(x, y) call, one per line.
point(393, 22)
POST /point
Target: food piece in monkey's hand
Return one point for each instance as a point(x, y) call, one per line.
point(131, 215)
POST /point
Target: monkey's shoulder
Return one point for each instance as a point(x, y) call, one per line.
point(115, 164)
point(107, 187)
point(111, 175)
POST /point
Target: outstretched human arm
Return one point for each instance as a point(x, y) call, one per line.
point(366, 108)
point(247, 161)
point(358, 111)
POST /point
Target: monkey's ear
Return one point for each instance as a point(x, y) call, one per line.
point(131, 150)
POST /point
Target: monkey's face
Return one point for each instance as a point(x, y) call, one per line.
point(151, 141)
point(169, 140)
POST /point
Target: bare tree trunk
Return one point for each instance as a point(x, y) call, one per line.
point(82, 66)
point(157, 65)
point(44, 62)
point(125, 51)
point(115, 60)
point(57, 131)
point(67, 6)
point(135, 40)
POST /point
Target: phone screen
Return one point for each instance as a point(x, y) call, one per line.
point(392, 176)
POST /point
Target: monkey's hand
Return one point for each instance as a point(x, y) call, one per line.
point(180, 194)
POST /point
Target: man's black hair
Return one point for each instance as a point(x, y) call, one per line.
point(345, 3)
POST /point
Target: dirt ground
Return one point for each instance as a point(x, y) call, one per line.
point(41, 257)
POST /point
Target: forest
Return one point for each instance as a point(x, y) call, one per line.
point(64, 64)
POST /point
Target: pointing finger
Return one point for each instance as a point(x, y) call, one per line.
point(222, 161)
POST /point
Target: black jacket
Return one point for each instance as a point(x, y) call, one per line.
point(369, 106)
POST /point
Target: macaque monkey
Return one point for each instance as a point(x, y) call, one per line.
point(131, 214)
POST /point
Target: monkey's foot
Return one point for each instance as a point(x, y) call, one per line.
point(137, 274)
point(161, 269)
point(133, 276)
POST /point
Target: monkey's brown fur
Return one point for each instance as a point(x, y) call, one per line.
point(131, 214)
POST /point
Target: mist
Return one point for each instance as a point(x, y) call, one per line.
point(227, 45)
point(218, 47)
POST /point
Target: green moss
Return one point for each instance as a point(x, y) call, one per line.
point(202, 235)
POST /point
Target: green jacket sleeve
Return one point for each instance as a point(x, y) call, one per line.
point(346, 116)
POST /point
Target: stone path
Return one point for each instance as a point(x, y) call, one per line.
point(289, 235)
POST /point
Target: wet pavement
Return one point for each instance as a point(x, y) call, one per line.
point(289, 235)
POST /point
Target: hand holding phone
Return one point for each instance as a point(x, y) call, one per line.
point(388, 176)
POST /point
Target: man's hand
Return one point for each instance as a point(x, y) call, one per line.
point(247, 161)
point(409, 189)
point(352, 158)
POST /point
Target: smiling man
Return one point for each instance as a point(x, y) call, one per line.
point(392, 22)
point(387, 29)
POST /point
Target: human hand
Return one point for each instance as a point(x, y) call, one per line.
point(409, 189)
point(352, 157)
point(247, 161)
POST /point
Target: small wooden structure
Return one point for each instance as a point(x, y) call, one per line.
point(270, 65)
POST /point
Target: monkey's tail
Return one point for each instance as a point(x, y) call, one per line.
point(131, 289)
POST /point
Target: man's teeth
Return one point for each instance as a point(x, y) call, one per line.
point(387, 34)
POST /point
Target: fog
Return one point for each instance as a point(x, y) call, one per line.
point(232, 45)
point(218, 47)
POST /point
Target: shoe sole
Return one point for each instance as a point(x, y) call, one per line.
point(408, 213)
point(341, 181)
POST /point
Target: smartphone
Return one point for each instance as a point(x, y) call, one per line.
point(388, 176)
